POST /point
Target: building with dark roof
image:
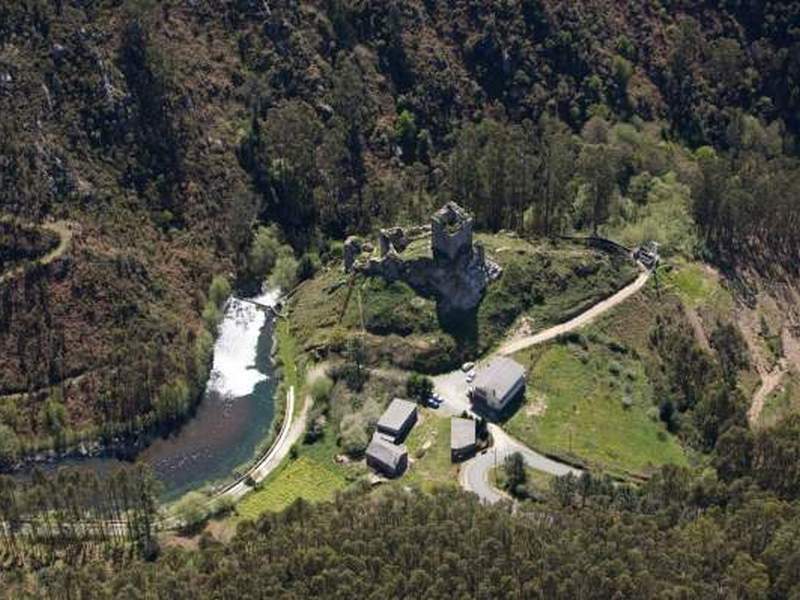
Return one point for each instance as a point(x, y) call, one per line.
point(390, 459)
point(498, 383)
point(398, 419)
point(462, 438)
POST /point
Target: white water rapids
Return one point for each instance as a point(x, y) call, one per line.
point(233, 372)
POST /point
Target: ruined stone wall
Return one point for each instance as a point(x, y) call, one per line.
point(451, 232)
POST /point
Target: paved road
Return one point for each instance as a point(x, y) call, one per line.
point(291, 430)
point(452, 387)
point(474, 474)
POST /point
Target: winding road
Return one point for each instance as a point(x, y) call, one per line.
point(452, 387)
point(474, 474)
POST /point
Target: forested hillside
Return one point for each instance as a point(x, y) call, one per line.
point(162, 133)
point(676, 538)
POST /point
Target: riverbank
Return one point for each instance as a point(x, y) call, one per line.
point(233, 424)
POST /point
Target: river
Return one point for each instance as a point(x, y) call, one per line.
point(233, 417)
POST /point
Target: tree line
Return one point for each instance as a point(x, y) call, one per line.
point(75, 516)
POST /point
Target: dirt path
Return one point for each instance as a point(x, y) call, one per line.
point(697, 327)
point(64, 232)
point(582, 319)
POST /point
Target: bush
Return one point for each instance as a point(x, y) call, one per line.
point(211, 317)
point(192, 510)
point(9, 445)
point(263, 252)
point(284, 275)
point(419, 387)
point(306, 268)
point(353, 438)
point(321, 390)
point(219, 290)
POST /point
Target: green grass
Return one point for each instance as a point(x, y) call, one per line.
point(396, 308)
point(313, 476)
point(584, 416)
point(301, 478)
point(288, 354)
point(432, 466)
point(548, 282)
point(697, 286)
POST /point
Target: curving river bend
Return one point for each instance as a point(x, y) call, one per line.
point(233, 417)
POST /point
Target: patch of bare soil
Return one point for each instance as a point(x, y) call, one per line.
point(537, 406)
point(522, 329)
point(769, 382)
point(697, 327)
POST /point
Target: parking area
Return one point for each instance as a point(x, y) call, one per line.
point(452, 387)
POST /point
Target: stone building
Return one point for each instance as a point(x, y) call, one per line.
point(451, 232)
point(387, 458)
point(397, 420)
point(462, 438)
point(498, 383)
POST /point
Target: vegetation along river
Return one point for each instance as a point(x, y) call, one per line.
point(233, 417)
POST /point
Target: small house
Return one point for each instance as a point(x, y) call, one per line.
point(498, 383)
point(387, 458)
point(397, 420)
point(462, 438)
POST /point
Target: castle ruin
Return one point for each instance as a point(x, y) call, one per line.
point(456, 272)
point(451, 231)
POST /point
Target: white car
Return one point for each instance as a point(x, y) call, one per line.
point(470, 376)
point(467, 367)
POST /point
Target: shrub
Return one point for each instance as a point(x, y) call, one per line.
point(419, 387)
point(321, 390)
point(353, 438)
point(192, 509)
point(263, 252)
point(9, 445)
point(219, 290)
point(306, 268)
point(284, 275)
point(211, 317)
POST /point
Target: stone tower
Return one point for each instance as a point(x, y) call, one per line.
point(451, 231)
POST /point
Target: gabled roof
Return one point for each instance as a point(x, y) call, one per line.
point(387, 453)
point(500, 375)
point(462, 433)
point(396, 415)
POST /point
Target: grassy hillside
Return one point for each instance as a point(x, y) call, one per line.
point(543, 283)
point(594, 405)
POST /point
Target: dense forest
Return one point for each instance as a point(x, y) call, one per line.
point(165, 133)
point(678, 536)
point(155, 155)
